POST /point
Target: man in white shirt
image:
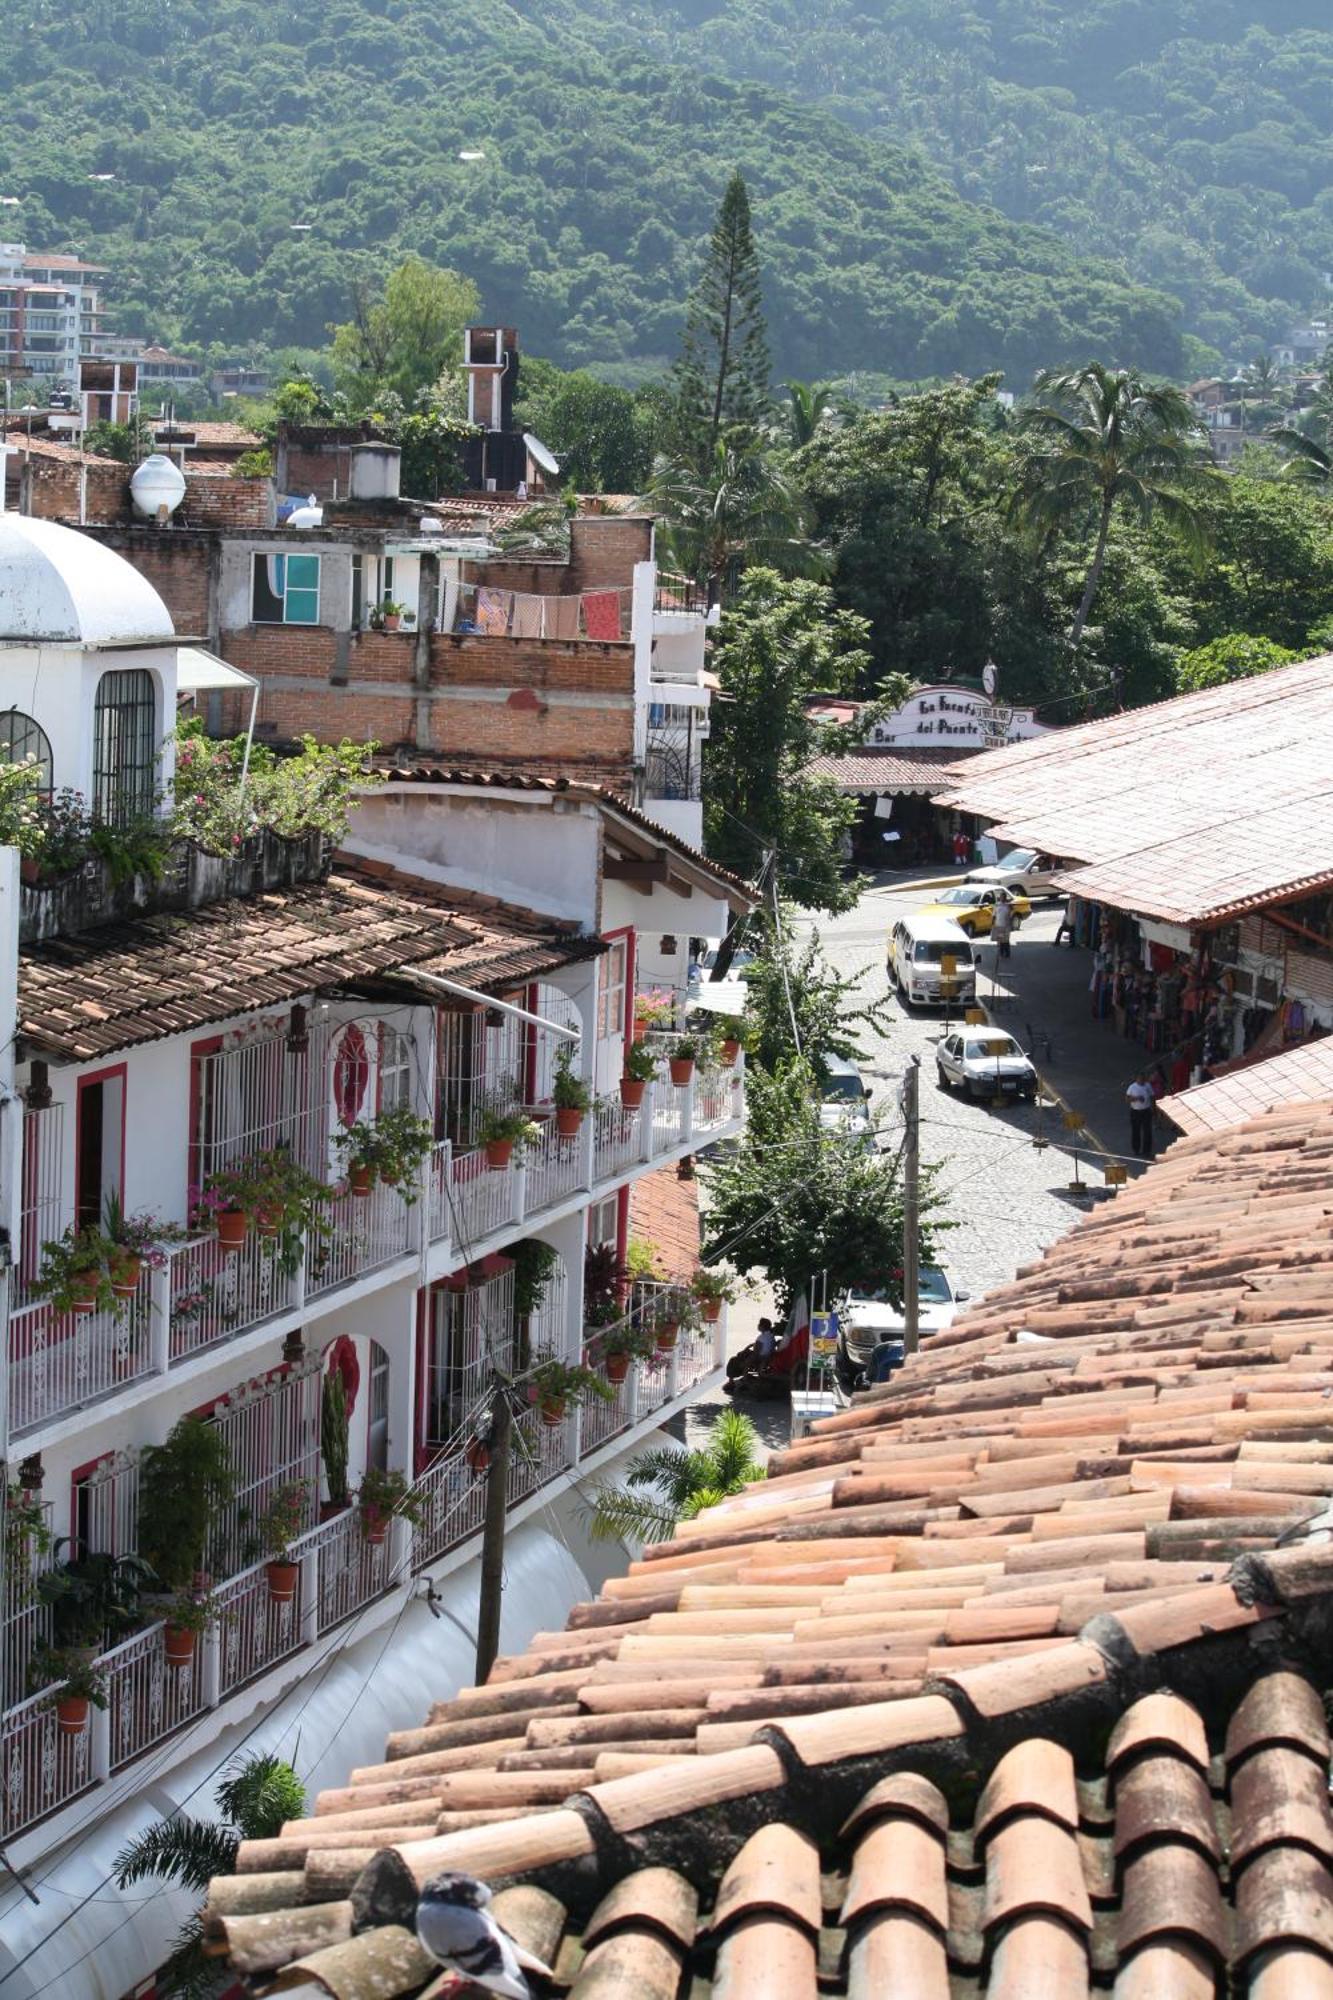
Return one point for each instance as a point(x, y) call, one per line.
point(1142, 1104)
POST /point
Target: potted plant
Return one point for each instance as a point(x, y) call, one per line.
point(501, 1131)
point(380, 1496)
point(654, 1010)
point(185, 1485)
point(683, 1054)
point(663, 1316)
point(28, 1538)
point(75, 1273)
point(640, 1069)
point(569, 1093)
point(711, 1290)
point(93, 1600)
point(333, 1429)
point(619, 1345)
point(273, 1191)
point(281, 1522)
point(392, 1148)
point(79, 1687)
point(735, 1035)
point(390, 615)
point(134, 1241)
point(183, 1620)
point(559, 1384)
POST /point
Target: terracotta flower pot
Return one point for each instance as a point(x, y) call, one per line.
point(666, 1336)
point(631, 1092)
point(551, 1410)
point(268, 1222)
point(83, 1293)
point(731, 1048)
point(616, 1367)
point(498, 1154)
point(568, 1118)
point(282, 1581)
point(682, 1069)
point(71, 1714)
point(361, 1180)
point(477, 1455)
point(233, 1226)
point(329, 1510)
point(178, 1646)
point(391, 621)
point(374, 1527)
point(125, 1275)
point(710, 1311)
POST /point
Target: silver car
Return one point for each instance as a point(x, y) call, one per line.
point(1023, 869)
point(984, 1062)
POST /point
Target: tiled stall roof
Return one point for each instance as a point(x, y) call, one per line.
point(131, 982)
point(907, 770)
point(1246, 1090)
point(1004, 1683)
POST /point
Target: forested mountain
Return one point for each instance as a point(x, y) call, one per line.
point(1193, 138)
point(236, 162)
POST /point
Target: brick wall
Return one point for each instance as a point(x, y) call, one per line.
point(603, 550)
point(178, 572)
point(50, 489)
point(463, 660)
point(217, 500)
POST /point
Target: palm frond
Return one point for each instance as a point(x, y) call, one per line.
point(617, 1515)
point(258, 1794)
point(180, 1849)
point(662, 1464)
point(185, 1973)
point(707, 1496)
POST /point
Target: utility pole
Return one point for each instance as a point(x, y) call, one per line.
point(911, 1206)
point(493, 1535)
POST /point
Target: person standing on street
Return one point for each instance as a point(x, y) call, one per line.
point(1002, 925)
point(1142, 1106)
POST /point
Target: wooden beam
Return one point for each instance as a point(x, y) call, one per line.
point(640, 873)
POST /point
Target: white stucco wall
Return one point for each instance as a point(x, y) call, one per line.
point(57, 687)
point(541, 855)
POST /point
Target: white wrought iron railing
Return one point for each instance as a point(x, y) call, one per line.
point(553, 1168)
point(480, 1199)
point(147, 1699)
point(41, 1768)
point(60, 1361)
point(616, 1140)
point(364, 1233)
point(215, 1294)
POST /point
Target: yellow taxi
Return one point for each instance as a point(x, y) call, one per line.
point(971, 905)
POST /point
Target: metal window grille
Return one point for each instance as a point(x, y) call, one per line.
point(40, 1210)
point(377, 1436)
point(271, 1426)
point(260, 1095)
point(471, 1334)
point(27, 1621)
point(22, 739)
point(481, 1067)
point(556, 1006)
point(672, 767)
point(124, 746)
point(106, 1506)
point(396, 1053)
point(611, 992)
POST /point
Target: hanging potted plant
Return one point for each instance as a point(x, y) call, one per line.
point(392, 1148)
point(619, 1345)
point(711, 1290)
point(134, 1241)
point(79, 1686)
point(75, 1274)
point(640, 1069)
point(736, 1035)
point(501, 1131)
point(569, 1093)
point(654, 1010)
point(561, 1385)
point(380, 1496)
point(183, 1620)
point(333, 1431)
point(281, 1522)
point(664, 1315)
point(683, 1054)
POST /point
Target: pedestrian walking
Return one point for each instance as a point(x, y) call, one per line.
point(1002, 925)
point(961, 844)
point(1142, 1106)
point(1066, 929)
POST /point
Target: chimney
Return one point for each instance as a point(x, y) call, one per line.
point(374, 471)
point(490, 355)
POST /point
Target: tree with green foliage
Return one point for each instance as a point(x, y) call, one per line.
point(129, 442)
point(793, 1199)
point(257, 1794)
point(739, 507)
point(789, 980)
point(668, 1484)
point(1103, 441)
point(1304, 458)
point(1235, 657)
point(399, 344)
point(782, 641)
point(604, 437)
point(808, 406)
point(722, 375)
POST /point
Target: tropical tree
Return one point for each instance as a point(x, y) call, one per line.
point(735, 507)
point(1104, 441)
point(668, 1485)
point(255, 1797)
point(400, 344)
point(721, 377)
point(809, 406)
point(1234, 657)
point(1303, 457)
point(791, 991)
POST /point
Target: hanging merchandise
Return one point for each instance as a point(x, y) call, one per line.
point(601, 614)
point(493, 611)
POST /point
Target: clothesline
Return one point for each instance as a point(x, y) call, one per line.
point(522, 614)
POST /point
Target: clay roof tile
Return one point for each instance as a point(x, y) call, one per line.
point(1281, 1708)
point(1036, 1776)
point(1159, 1722)
point(776, 1870)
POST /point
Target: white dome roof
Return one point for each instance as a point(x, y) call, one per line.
point(61, 586)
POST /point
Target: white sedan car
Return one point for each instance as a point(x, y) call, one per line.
point(1022, 869)
point(868, 1320)
point(984, 1063)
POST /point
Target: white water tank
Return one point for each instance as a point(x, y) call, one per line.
point(374, 473)
point(157, 487)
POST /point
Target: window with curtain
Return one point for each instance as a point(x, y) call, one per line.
point(22, 739)
point(124, 746)
point(284, 590)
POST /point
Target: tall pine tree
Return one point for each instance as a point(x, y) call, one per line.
point(722, 375)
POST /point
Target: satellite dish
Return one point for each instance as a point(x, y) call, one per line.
point(990, 678)
point(545, 460)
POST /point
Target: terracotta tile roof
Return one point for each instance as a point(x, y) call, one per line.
point(209, 431)
point(1005, 1682)
point(49, 447)
point(664, 1211)
point(134, 981)
point(886, 770)
point(1294, 1076)
point(1192, 810)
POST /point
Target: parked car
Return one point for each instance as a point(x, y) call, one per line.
point(870, 1320)
point(844, 1098)
point(971, 905)
point(1023, 869)
point(920, 947)
point(984, 1062)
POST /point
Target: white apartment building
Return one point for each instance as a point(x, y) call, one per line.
point(50, 314)
point(155, 1035)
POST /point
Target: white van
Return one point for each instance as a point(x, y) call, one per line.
point(920, 949)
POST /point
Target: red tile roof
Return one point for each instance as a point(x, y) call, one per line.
point(1192, 810)
point(1005, 1681)
point(208, 431)
point(887, 770)
point(135, 981)
point(1295, 1076)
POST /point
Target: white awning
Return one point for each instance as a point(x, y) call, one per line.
point(198, 671)
point(721, 996)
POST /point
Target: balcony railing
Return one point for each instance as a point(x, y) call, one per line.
point(365, 1233)
point(59, 1361)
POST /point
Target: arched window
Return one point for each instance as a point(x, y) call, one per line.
point(22, 738)
point(124, 746)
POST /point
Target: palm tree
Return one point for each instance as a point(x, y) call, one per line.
point(742, 508)
point(1305, 459)
point(1104, 439)
point(811, 406)
point(668, 1485)
point(257, 1795)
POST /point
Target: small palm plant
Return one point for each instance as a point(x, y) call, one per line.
point(256, 1796)
point(669, 1485)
